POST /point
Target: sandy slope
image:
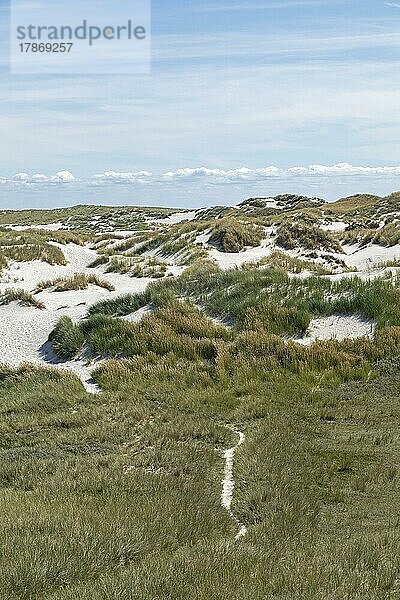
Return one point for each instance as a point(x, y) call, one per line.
point(370, 256)
point(228, 260)
point(24, 331)
point(176, 218)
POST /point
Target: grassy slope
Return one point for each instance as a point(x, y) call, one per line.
point(117, 496)
point(82, 214)
point(351, 203)
point(267, 299)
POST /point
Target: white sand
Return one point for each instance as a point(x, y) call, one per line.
point(138, 315)
point(176, 218)
point(49, 227)
point(228, 260)
point(338, 327)
point(24, 331)
point(369, 275)
point(228, 484)
point(366, 258)
point(335, 226)
point(203, 238)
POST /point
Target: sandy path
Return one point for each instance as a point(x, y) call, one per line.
point(228, 484)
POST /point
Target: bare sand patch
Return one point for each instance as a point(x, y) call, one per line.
point(365, 259)
point(228, 260)
point(338, 327)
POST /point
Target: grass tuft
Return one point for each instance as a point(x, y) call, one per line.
point(231, 235)
point(79, 281)
point(66, 339)
point(23, 298)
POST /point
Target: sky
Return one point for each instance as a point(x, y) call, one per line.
point(244, 98)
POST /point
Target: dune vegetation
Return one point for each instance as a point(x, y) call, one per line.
point(87, 218)
point(36, 244)
point(116, 495)
point(233, 236)
point(78, 281)
point(137, 266)
point(288, 264)
point(306, 234)
point(387, 235)
point(66, 339)
point(23, 298)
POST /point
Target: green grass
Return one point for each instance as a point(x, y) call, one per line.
point(305, 233)
point(350, 204)
point(27, 253)
point(388, 263)
point(237, 294)
point(264, 307)
point(182, 329)
point(23, 298)
point(287, 263)
point(116, 496)
point(388, 235)
point(87, 218)
point(231, 235)
point(66, 339)
point(79, 281)
point(97, 262)
point(3, 262)
point(137, 266)
point(121, 306)
point(36, 244)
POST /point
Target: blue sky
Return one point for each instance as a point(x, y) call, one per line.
point(241, 93)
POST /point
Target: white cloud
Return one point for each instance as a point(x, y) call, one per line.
point(393, 4)
point(247, 174)
point(37, 178)
point(21, 177)
point(64, 177)
point(243, 173)
point(347, 169)
point(114, 177)
point(205, 176)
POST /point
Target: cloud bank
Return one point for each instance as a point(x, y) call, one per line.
point(202, 175)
